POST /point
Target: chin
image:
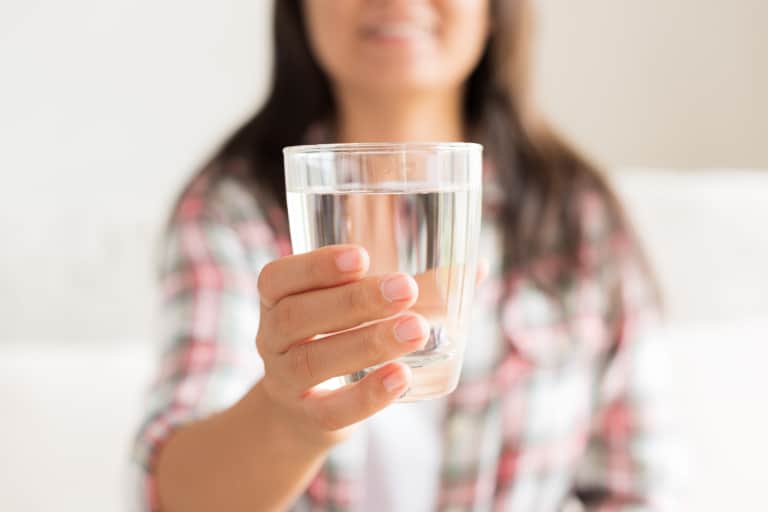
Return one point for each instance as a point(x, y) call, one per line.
point(406, 78)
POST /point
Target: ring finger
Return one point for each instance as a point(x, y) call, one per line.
point(308, 364)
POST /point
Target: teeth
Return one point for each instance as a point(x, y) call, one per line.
point(400, 30)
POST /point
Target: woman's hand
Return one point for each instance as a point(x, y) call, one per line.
point(262, 452)
point(325, 291)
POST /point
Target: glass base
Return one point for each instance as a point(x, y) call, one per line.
point(434, 375)
point(431, 382)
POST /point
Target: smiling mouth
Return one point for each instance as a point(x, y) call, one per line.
point(398, 32)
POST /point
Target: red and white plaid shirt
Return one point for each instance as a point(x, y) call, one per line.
point(550, 409)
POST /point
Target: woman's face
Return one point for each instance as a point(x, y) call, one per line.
point(397, 45)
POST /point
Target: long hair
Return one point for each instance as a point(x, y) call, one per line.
point(543, 178)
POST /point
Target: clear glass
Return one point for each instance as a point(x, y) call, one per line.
point(416, 208)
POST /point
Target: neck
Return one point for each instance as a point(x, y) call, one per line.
point(427, 117)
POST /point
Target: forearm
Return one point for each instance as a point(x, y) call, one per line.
point(241, 459)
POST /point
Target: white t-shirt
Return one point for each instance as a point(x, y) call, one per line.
point(404, 448)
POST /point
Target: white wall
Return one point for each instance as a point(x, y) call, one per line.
point(106, 107)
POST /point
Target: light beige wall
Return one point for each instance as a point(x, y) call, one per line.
point(106, 108)
point(665, 83)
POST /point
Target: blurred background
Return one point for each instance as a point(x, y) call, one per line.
point(106, 107)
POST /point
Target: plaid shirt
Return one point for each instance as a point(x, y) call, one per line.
point(550, 408)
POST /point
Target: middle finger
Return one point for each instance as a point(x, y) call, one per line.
point(302, 316)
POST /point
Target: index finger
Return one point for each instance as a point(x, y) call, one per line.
point(322, 268)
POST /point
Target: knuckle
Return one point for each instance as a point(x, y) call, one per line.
point(358, 298)
point(352, 298)
point(261, 344)
point(374, 341)
point(283, 316)
point(265, 278)
point(315, 269)
point(369, 398)
point(300, 362)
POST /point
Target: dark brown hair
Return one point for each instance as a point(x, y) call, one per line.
point(543, 178)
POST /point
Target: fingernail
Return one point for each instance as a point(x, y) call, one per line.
point(410, 329)
point(398, 287)
point(350, 260)
point(394, 381)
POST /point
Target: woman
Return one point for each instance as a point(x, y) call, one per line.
point(548, 410)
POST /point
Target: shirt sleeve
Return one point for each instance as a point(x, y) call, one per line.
point(626, 465)
point(208, 321)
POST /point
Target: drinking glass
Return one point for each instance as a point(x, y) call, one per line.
point(415, 207)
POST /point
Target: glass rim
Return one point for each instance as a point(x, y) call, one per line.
point(380, 147)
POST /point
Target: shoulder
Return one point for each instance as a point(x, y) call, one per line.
point(613, 255)
point(607, 232)
point(217, 209)
point(216, 194)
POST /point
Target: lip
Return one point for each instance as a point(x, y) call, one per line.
point(403, 32)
